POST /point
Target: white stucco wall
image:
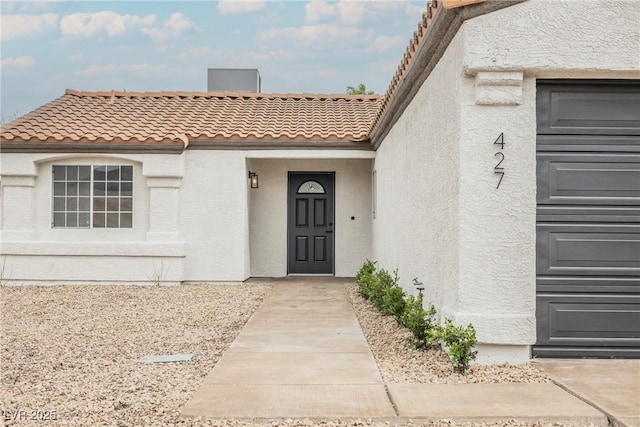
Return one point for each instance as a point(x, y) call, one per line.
point(191, 217)
point(417, 168)
point(37, 253)
point(213, 215)
point(558, 39)
point(474, 245)
point(268, 213)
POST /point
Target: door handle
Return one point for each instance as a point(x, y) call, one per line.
point(329, 231)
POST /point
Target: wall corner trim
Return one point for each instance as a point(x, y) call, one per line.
point(499, 87)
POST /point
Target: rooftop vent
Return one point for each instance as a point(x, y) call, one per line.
point(233, 80)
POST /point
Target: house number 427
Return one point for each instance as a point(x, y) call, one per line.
point(499, 169)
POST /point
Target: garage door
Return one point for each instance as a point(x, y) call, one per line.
point(588, 219)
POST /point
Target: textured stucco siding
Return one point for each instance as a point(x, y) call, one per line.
point(574, 39)
point(214, 214)
point(34, 252)
point(472, 244)
point(417, 171)
point(195, 218)
point(268, 213)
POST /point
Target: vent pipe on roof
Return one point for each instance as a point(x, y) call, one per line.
point(233, 80)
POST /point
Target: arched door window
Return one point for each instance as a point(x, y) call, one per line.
point(311, 187)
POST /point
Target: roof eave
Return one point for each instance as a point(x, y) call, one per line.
point(90, 147)
point(439, 34)
point(279, 144)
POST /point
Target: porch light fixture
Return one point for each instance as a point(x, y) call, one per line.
point(253, 179)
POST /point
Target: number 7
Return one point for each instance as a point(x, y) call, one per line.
point(501, 176)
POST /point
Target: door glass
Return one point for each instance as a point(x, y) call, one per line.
point(311, 187)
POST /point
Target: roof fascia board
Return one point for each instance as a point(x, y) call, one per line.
point(245, 144)
point(440, 33)
point(75, 147)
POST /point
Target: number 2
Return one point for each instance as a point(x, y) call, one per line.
point(497, 167)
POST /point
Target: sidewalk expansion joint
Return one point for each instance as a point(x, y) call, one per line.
point(393, 404)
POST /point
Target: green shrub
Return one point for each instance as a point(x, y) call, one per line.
point(419, 321)
point(365, 276)
point(384, 281)
point(393, 302)
point(459, 342)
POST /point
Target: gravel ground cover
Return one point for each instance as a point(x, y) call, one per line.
point(74, 350)
point(400, 362)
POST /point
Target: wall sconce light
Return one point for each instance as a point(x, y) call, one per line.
point(253, 179)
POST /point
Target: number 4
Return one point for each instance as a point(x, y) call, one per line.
point(500, 141)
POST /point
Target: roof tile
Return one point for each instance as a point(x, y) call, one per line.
point(407, 59)
point(155, 117)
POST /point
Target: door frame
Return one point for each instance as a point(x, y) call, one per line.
point(333, 213)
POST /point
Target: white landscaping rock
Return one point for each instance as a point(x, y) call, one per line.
point(75, 350)
point(400, 362)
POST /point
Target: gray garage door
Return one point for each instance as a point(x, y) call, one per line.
point(588, 219)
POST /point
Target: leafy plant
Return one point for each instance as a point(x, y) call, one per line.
point(393, 302)
point(459, 343)
point(419, 321)
point(379, 287)
point(361, 89)
point(365, 278)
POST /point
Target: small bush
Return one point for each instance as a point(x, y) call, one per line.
point(380, 286)
point(459, 342)
point(419, 321)
point(365, 278)
point(393, 302)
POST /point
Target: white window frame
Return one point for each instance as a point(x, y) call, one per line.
point(92, 196)
point(374, 193)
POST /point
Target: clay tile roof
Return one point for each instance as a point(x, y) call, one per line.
point(170, 117)
point(405, 64)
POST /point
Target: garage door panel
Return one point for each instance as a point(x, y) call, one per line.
point(588, 218)
point(588, 320)
point(583, 213)
point(588, 179)
point(588, 249)
point(588, 284)
point(589, 109)
point(588, 143)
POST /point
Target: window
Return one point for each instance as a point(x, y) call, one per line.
point(99, 196)
point(311, 187)
point(374, 193)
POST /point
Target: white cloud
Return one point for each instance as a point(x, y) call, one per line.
point(88, 24)
point(240, 6)
point(316, 10)
point(312, 34)
point(227, 7)
point(15, 26)
point(383, 43)
point(171, 29)
point(139, 70)
point(20, 63)
point(355, 12)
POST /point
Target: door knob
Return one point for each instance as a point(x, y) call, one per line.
point(329, 231)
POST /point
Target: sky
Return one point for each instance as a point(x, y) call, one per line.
point(312, 46)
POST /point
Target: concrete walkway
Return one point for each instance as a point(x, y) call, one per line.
point(303, 355)
point(613, 386)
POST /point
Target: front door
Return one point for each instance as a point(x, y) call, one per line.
point(310, 223)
